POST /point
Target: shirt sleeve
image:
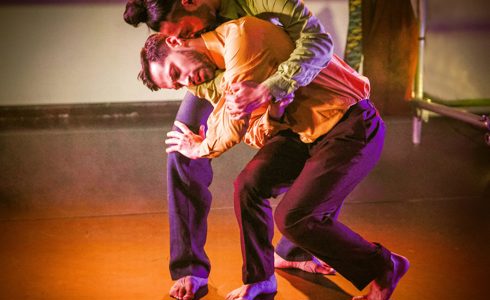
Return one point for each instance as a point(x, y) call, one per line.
point(261, 128)
point(314, 46)
point(223, 132)
point(210, 90)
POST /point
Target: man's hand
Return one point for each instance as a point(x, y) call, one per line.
point(245, 97)
point(276, 110)
point(185, 142)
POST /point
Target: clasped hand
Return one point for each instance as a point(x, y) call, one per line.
point(184, 141)
point(245, 97)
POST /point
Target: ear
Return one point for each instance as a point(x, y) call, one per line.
point(173, 42)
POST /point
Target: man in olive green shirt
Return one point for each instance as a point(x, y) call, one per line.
point(189, 198)
point(313, 49)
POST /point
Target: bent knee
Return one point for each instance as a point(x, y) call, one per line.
point(289, 222)
point(294, 223)
point(251, 182)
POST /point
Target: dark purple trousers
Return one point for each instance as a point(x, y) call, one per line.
point(189, 201)
point(322, 173)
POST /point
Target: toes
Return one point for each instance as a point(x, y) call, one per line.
point(316, 268)
point(188, 294)
point(322, 267)
point(189, 288)
point(173, 293)
point(237, 294)
point(188, 291)
point(178, 291)
point(230, 296)
point(326, 270)
point(182, 292)
point(174, 290)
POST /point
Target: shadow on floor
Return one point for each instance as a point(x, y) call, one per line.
point(313, 286)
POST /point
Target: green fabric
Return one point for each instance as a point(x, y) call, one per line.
point(353, 47)
point(314, 46)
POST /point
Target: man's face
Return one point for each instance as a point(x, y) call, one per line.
point(185, 21)
point(182, 68)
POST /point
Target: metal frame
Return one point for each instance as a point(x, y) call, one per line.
point(423, 104)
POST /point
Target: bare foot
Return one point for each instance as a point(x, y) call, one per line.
point(250, 291)
point(186, 287)
point(382, 288)
point(314, 266)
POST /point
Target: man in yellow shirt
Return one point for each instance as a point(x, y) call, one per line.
point(188, 181)
point(320, 146)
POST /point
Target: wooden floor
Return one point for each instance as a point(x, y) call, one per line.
point(83, 216)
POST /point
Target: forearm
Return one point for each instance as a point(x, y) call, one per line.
point(310, 56)
point(313, 47)
point(223, 133)
point(212, 148)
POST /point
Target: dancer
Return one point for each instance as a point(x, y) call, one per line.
point(186, 18)
point(321, 146)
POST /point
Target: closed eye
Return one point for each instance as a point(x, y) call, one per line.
point(174, 76)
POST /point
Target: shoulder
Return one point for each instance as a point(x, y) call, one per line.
point(248, 24)
point(251, 22)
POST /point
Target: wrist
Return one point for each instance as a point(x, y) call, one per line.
point(279, 87)
point(276, 112)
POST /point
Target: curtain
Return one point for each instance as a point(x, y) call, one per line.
point(389, 46)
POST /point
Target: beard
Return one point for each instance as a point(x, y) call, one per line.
point(203, 12)
point(204, 66)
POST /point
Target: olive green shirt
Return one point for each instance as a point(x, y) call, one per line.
point(313, 46)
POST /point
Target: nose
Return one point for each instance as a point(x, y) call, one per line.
point(184, 81)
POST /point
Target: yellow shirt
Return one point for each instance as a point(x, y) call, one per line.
point(251, 49)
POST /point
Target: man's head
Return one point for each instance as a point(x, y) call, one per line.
point(167, 63)
point(189, 17)
point(182, 18)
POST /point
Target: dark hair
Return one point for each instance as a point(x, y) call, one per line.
point(155, 49)
point(151, 12)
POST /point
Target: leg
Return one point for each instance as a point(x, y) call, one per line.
point(338, 162)
point(290, 252)
point(189, 199)
point(289, 256)
point(253, 187)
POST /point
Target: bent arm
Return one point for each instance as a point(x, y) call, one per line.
point(313, 51)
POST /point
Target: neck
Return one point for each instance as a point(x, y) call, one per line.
point(198, 45)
